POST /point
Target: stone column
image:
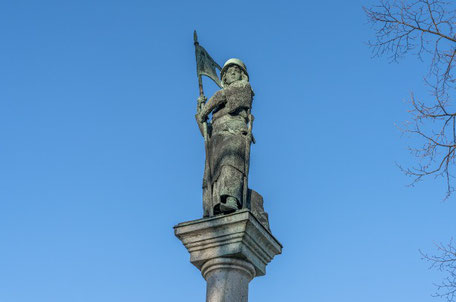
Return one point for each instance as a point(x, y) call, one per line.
point(229, 250)
point(227, 279)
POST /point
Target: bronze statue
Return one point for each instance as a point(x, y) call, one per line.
point(229, 142)
point(227, 136)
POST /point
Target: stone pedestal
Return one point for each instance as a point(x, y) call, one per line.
point(229, 250)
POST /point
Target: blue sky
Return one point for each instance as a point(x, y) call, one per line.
point(100, 155)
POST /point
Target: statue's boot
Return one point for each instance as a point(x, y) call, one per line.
point(230, 205)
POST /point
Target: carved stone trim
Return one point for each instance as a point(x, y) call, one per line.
point(238, 235)
point(228, 264)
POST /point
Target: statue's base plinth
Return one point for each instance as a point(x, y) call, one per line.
point(229, 250)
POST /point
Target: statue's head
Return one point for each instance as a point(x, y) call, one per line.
point(233, 70)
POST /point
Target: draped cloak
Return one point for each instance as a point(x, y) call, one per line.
point(229, 142)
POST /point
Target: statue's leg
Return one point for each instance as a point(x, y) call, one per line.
point(230, 185)
point(230, 204)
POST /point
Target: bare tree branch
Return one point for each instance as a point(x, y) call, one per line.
point(444, 261)
point(425, 28)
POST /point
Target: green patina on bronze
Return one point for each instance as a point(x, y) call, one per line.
point(228, 137)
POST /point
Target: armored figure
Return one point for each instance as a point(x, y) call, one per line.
point(232, 243)
point(228, 146)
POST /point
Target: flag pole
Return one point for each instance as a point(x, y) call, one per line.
point(201, 103)
point(249, 139)
point(200, 80)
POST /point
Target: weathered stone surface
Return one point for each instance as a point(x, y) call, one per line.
point(227, 279)
point(233, 243)
point(256, 206)
point(228, 136)
point(238, 235)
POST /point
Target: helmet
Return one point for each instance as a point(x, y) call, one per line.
point(231, 62)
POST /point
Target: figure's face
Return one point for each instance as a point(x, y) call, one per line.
point(233, 74)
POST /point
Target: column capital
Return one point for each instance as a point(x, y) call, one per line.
point(237, 236)
point(243, 266)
